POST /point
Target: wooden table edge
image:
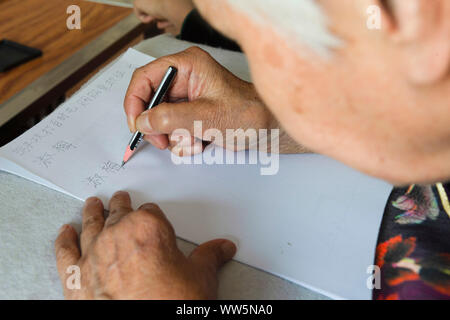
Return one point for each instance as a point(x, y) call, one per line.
point(74, 68)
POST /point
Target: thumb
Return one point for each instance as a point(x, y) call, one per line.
point(168, 117)
point(213, 255)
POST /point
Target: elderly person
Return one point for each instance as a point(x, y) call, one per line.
point(376, 99)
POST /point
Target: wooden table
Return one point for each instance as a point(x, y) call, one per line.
point(68, 55)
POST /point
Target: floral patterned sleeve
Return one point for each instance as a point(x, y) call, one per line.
point(413, 250)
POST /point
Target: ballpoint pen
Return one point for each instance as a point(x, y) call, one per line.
point(158, 97)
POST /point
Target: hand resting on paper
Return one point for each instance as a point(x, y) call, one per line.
point(202, 91)
point(169, 14)
point(133, 255)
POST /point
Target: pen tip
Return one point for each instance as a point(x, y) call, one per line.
point(127, 156)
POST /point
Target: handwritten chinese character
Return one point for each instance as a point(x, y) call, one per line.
point(111, 167)
point(36, 138)
point(63, 146)
point(45, 160)
point(56, 123)
point(47, 130)
point(96, 180)
point(62, 116)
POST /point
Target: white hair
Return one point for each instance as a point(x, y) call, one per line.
point(303, 20)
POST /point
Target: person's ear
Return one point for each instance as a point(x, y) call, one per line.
point(421, 30)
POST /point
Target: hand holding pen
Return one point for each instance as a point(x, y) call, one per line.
point(158, 97)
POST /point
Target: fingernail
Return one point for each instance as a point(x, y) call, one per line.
point(156, 142)
point(63, 228)
point(149, 206)
point(92, 200)
point(120, 193)
point(143, 123)
point(228, 248)
point(131, 124)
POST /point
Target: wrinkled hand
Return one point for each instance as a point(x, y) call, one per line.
point(133, 255)
point(169, 14)
point(202, 91)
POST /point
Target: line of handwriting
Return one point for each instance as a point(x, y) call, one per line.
point(61, 115)
point(106, 169)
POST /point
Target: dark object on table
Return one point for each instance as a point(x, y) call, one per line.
point(13, 54)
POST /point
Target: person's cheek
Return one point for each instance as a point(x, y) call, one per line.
point(273, 73)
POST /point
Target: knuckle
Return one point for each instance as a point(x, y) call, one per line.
point(64, 251)
point(92, 219)
point(118, 208)
point(151, 225)
point(137, 75)
point(165, 60)
point(149, 218)
point(86, 237)
point(151, 207)
point(195, 50)
point(199, 55)
point(105, 240)
point(138, 71)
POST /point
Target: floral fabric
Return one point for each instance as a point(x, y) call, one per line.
point(413, 250)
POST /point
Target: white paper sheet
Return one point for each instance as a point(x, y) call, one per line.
point(314, 223)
